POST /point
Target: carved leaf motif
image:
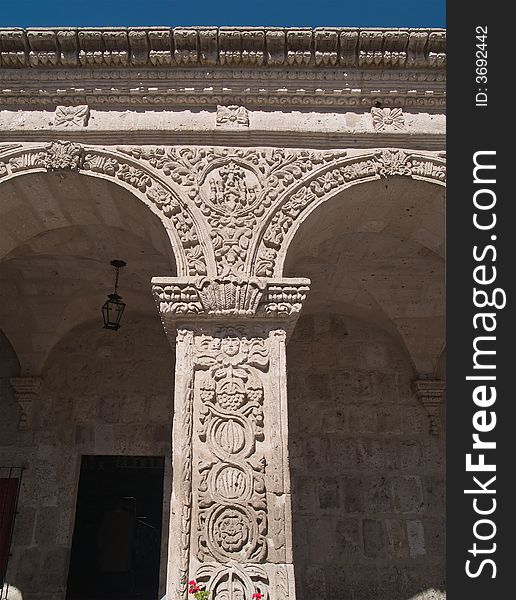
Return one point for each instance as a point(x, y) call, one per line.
point(231, 483)
point(101, 164)
point(394, 162)
point(233, 581)
point(62, 156)
point(164, 200)
point(134, 177)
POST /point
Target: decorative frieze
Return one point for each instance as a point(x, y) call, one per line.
point(235, 297)
point(232, 507)
point(27, 391)
point(430, 392)
point(227, 66)
point(234, 475)
point(256, 47)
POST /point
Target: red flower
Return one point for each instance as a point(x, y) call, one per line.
point(257, 595)
point(194, 588)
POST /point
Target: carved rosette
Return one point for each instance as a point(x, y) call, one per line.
point(387, 119)
point(236, 471)
point(232, 116)
point(71, 116)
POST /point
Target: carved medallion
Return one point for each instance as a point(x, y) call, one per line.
point(71, 116)
point(232, 505)
point(233, 581)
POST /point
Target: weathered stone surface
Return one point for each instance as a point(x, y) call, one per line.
point(309, 471)
point(390, 510)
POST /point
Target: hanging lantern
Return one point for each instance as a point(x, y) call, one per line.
point(113, 308)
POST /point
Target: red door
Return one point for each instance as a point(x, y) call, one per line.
point(8, 492)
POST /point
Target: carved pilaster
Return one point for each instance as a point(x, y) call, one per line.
point(231, 492)
point(26, 391)
point(430, 392)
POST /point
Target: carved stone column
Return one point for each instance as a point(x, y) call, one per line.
point(430, 392)
point(231, 501)
point(26, 392)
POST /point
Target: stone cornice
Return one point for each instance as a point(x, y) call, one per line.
point(269, 68)
point(322, 48)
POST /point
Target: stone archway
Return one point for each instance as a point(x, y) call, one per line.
point(231, 214)
point(305, 196)
point(59, 232)
point(189, 246)
point(365, 442)
point(60, 229)
point(377, 251)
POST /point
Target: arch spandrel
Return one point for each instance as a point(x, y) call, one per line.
point(375, 249)
point(191, 251)
point(230, 211)
point(305, 196)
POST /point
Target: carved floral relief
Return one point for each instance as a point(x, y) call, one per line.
point(387, 119)
point(71, 116)
point(232, 116)
point(232, 516)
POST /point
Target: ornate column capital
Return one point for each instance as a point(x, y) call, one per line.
point(26, 391)
point(430, 392)
point(229, 298)
point(231, 518)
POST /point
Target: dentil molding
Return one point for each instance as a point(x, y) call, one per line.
point(249, 67)
point(324, 47)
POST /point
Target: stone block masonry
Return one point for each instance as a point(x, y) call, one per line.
point(368, 492)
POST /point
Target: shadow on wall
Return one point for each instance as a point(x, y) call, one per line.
point(103, 392)
point(367, 476)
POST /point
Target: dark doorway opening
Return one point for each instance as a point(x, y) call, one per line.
point(117, 535)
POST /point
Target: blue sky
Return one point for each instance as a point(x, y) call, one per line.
point(363, 13)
